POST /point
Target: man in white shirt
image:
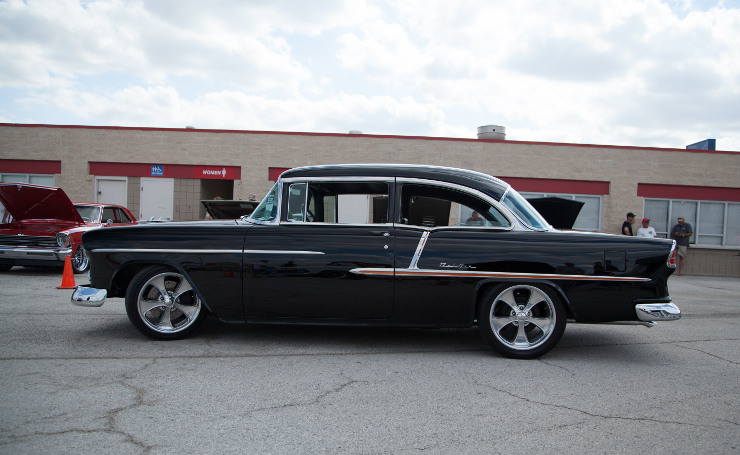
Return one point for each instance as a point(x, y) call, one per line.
point(646, 230)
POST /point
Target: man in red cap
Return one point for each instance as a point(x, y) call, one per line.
point(646, 230)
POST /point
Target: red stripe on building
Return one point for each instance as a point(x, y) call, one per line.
point(273, 173)
point(177, 171)
point(533, 185)
point(697, 193)
point(31, 166)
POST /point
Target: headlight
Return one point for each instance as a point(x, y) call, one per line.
point(63, 240)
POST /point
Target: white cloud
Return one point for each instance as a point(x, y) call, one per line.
point(638, 72)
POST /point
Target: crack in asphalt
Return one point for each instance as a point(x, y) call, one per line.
point(591, 414)
point(317, 400)
point(108, 418)
point(731, 362)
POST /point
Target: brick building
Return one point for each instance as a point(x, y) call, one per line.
point(167, 171)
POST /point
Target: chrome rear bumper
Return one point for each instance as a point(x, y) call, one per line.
point(87, 296)
point(650, 312)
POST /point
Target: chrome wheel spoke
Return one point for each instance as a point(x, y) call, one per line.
point(508, 299)
point(190, 311)
point(165, 322)
point(146, 305)
point(521, 339)
point(158, 283)
point(544, 324)
point(498, 323)
point(182, 288)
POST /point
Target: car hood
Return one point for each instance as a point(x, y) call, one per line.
point(229, 209)
point(35, 202)
point(561, 213)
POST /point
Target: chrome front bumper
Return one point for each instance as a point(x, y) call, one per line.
point(650, 312)
point(87, 296)
point(34, 253)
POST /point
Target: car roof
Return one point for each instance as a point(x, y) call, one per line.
point(484, 182)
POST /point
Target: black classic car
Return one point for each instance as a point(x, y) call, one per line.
point(391, 245)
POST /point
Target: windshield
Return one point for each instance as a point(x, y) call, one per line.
point(526, 213)
point(267, 210)
point(88, 213)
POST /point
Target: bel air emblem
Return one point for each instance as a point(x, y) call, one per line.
point(456, 266)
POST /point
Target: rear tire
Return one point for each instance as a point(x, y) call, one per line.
point(162, 304)
point(521, 321)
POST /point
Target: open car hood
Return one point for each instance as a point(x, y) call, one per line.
point(561, 213)
point(229, 209)
point(35, 202)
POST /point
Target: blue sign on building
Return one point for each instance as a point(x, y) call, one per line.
point(157, 170)
point(706, 144)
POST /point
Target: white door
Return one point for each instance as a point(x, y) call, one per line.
point(157, 198)
point(111, 191)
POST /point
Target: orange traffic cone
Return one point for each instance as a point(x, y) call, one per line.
point(68, 278)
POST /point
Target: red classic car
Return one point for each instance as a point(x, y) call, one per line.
point(40, 226)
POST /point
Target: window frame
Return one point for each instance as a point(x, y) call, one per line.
point(287, 183)
point(471, 192)
point(695, 237)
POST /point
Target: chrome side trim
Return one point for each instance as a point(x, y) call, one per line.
point(419, 249)
point(507, 275)
point(164, 250)
point(281, 252)
point(204, 251)
point(657, 312)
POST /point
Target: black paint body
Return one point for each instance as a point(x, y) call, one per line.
point(247, 272)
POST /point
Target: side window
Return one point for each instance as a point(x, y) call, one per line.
point(121, 216)
point(296, 202)
point(338, 202)
point(431, 206)
point(108, 215)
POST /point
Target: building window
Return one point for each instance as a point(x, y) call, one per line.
point(36, 179)
point(589, 219)
point(714, 223)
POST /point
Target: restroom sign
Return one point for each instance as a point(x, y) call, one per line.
point(157, 170)
point(216, 172)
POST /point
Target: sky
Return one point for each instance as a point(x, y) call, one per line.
point(648, 73)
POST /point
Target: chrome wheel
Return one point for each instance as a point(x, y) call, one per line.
point(80, 262)
point(162, 304)
point(522, 321)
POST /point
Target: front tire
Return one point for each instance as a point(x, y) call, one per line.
point(521, 321)
point(162, 305)
point(80, 262)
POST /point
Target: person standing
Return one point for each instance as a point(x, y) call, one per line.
point(681, 233)
point(627, 225)
point(646, 230)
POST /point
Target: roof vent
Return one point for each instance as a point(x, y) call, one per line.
point(355, 132)
point(492, 132)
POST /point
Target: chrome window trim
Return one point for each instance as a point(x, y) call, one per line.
point(306, 180)
point(472, 191)
point(524, 223)
point(276, 220)
point(388, 180)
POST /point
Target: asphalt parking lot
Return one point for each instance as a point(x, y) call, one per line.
point(83, 380)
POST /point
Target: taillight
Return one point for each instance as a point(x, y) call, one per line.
point(671, 263)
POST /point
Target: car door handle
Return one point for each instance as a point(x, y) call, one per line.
point(381, 233)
